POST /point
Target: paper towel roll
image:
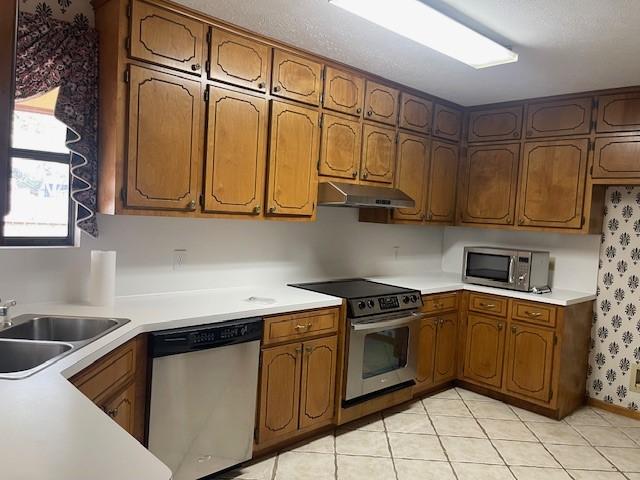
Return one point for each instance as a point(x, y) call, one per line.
point(102, 280)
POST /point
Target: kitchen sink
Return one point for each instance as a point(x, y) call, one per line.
point(34, 342)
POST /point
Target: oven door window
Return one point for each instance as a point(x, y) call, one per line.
point(491, 267)
point(385, 351)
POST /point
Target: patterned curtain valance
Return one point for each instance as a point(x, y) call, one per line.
point(52, 53)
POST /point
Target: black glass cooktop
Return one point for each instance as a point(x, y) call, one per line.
point(352, 288)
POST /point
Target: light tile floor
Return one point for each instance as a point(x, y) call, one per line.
point(461, 435)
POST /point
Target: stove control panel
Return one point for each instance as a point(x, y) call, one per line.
point(360, 307)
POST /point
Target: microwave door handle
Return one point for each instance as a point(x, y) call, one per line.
point(387, 323)
point(512, 263)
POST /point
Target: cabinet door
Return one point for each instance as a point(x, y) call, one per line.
point(489, 184)
point(378, 154)
point(121, 408)
point(318, 381)
point(340, 147)
point(530, 361)
point(293, 160)
point(561, 117)
point(484, 350)
point(166, 38)
point(447, 123)
point(279, 391)
point(443, 179)
point(411, 174)
point(426, 346)
point(415, 113)
point(236, 152)
point(343, 91)
point(446, 348)
point(381, 103)
point(617, 157)
point(164, 140)
point(496, 124)
point(552, 183)
point(296, 78)
point(618, 113)
point(239, 60)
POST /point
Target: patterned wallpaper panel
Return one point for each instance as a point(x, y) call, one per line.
point(615, 338)
point(77, 11)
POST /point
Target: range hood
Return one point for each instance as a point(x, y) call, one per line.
point(336, 194)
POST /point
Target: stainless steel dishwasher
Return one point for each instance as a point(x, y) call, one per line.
point(203, 396)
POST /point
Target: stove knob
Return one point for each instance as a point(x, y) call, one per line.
point(405, 299)
point(361, 305)
point(414, 298)
point(370, 303)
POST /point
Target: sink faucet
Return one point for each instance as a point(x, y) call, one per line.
point(5, 314)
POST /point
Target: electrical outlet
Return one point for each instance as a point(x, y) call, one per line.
point(179, 259)
point(635, 379)
point(396, 251)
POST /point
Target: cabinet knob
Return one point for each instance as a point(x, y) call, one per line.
point(272, 209)
point(437, 130)
point(369, 113)
point(529, 133)
point(521, 221)
point(192, 205)
point(354, 174)
point(113, 413)
point(428, 130)
point(358, 110)
point(516, 134)
point(256, 209)
point(500, 326)
point(514, 329)
point(195, 67)
point(261, 85)
point(365, 175)
point(508, 219)
point(276, 88)
point(308, 350)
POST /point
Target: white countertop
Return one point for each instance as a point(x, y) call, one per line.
point(447, 282)
point(52, 431)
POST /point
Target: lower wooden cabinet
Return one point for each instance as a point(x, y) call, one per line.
point(426, 345)
point(437, 350)
point(317, 392)
point(122, 408)
point(484, 349)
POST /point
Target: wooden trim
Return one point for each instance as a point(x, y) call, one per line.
point(617, 409)
point(8, 25)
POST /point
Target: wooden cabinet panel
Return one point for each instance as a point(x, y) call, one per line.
point(443, 180)
point(617, 157)
point(552, 183)
point(411, 174)
point(447, 123)
point(239, 60)
point(296, 78)
point(415, 113)
point(381, 103)
point(293, 156)
point(343, 91)
point(282, 328)
point(166, 37)
point(164, 140)
point(378, 154)
point(446, 348)
point(495, 124)
point(236, 152)
point(122, 408)
point(340, 147)
point(538, 313)
point(484, 349)
point(318, 381)
point(618, 113)
point(489, 184)
point(279, 391)
point(426, 346)
point(439, 303)
point(488, 304)
point(559, 117)
point(530, 361)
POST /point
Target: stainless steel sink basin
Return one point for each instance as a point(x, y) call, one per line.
point(34, 342)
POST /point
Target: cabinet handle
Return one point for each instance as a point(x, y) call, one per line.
point(365, 175)
point(500, 326)
point(521, 221)
point(272, 209)
point(276, 88)
point(192, 205)
point(487, 305)
point(532, 314)
point(261, 85)
point(308, 350)
point(354, 174)
point(437, 130)
point(113, 413)
point(516, 134)
point(257, 209)
point(429, 215)
point(514, 329)
point(529, 133)
point(298, 350)
point(369, 113)
point(303, 328)
point(195, 67)
point(358, 110)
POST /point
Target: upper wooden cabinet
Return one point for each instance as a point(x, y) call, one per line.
point(415, 113)
point(293, 157)
point(618, 113)
point(343, 91)
point(296, 78)
point(340, 147)
point(165, 37)
point(495, 124)
point(552, 183)
point(484, 349)
point(617, 157)
point(239, 60)
point(489, 183)
point(443, 179)
point(559, 117)
point(236, 152)
point(411, 174)
point(381, 103)
point(378, 154)
point(447, 123)
point(164, 140)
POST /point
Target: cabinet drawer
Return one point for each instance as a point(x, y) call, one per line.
point(534, 313)
point(439, 303)
point(299, 325)
point(488, 304)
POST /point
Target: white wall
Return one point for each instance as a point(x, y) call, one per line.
point(574, 257)
point(222, 253)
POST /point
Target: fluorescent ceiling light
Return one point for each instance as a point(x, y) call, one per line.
point(421, 23)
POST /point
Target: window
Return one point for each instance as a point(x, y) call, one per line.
point(41, 211)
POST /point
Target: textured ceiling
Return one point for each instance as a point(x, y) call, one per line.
point(564, 45)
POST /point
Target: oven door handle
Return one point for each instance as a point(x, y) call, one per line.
point(388, 323)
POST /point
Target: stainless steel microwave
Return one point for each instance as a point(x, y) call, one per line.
point(523, 270)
